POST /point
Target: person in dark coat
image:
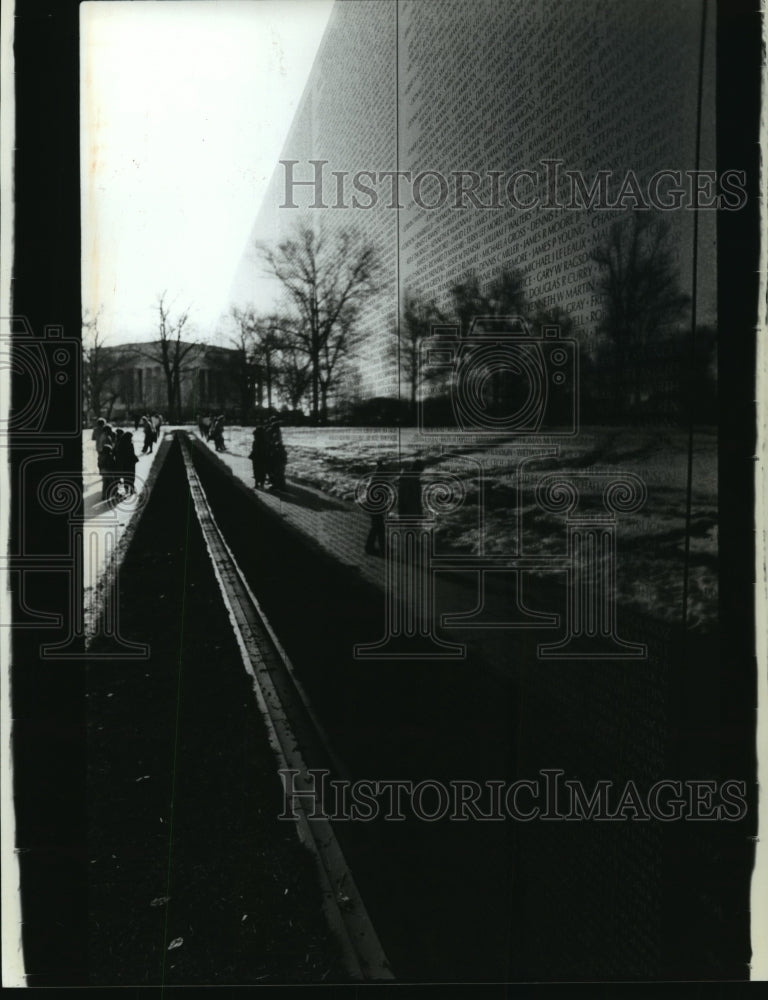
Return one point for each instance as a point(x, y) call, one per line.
point(107, 470)
point(149, 435)
point(409, 491)
point(98, 434)
point(277, 457)
point(375, 542)
point(119, 432)
point(258, 456)
point(157, 422)
point(125, 461)
point(217, 433)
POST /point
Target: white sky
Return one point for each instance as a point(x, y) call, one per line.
point(185, 106)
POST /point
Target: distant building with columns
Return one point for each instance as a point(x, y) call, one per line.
point(134, 381)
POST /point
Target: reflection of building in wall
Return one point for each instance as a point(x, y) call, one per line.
point(208, 379)
point(492, 89)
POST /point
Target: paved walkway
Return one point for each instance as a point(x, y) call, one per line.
point(108, 525)
point(489, 609)
point(336, 525)
point(341, 527)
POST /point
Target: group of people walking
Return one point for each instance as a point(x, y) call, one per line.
point(268, 455)
point(116, 459)
point(212, 429)
point(151, 427)
point(117, 464)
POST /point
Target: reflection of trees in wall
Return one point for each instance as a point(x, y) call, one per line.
point(327, 279)
point(638, 285)
point(260, 343)
point(501, 296)
point(494, 310)
point(294, 372)
point(417, 320)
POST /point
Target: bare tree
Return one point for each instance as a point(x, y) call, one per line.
point(418, 318)
point(294, 371)
point(102, 365)
point(335, 350)
point(268, 339)
point(170, 352)
point(326, 278)
point(503, 295)
point(259, 342)
point(245, 371)
point(638, 284)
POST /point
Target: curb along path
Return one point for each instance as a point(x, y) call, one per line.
point(262, 657)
